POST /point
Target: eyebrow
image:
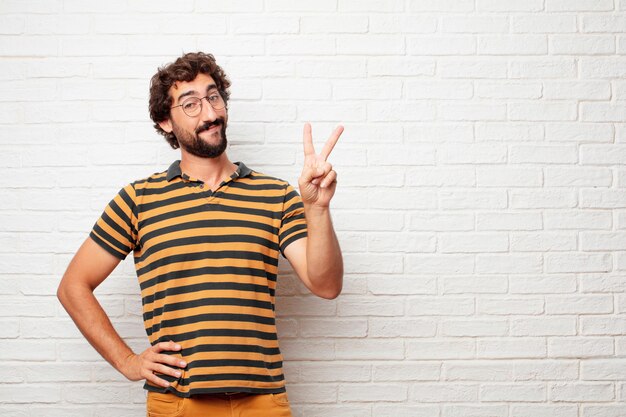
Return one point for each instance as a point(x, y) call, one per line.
point(192, 92)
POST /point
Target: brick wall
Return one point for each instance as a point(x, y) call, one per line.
point(481, 204)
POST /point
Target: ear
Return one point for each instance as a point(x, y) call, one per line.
point(166, 125)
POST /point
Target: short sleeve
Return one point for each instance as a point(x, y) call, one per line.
point(293, 223)
point(116, 229)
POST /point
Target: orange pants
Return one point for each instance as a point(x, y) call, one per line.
point(218, 405)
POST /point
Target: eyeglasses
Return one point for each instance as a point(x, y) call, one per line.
point(193, 105)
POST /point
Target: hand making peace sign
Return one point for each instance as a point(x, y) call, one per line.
point(318, 180)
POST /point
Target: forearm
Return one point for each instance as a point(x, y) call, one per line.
point(94, 324)
point(323, 254)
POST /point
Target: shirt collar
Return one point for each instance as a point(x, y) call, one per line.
point(174, 170)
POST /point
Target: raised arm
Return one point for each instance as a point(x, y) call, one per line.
point(317, 258)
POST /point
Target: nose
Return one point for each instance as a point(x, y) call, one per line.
point(208, 112)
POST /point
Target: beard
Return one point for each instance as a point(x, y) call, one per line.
point(195, 145)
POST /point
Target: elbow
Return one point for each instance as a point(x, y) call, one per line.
point(330, 292)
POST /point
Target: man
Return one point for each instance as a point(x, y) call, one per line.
point(206, 235)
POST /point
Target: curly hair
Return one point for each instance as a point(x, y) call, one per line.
point(185, 68)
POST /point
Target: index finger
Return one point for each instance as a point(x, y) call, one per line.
point(331, 142)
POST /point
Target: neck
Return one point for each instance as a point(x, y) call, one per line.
point(211, 171)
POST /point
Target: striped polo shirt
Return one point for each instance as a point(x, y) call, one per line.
point(207, 265)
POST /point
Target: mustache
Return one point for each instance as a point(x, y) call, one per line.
point(208, 125)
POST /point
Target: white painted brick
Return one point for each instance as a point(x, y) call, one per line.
point(547, 410)
point(533, 242)
point(373, 263)
point(579, 347)
point(296, 89)
point(590, 177)
point(372, 392)
point(543, 23)
point(289, 6)
point(334, 23)
point(474, 411)
point(545, 370)
point(88, 394)
point(570, 262)
point(603, 410)
point(233, 6)
point(508, 177)
point(509, 392)
point(359, 221)
point(331, 68)
point(543, 326)
point(57, 24)
point(454, 348)
point(441, 45)
point(603, 67)
point(601, 283)
point(27, 394)
point(343, 111)
point(471, 68)
point(477, 370)
point(399, 66)
point(302, 45)
point(471, 112)
point(441, 6)
point(581, 45)
point(515, 306)
point(444, 393)
point(578, 219)
point(602, 369)
point(442, 90)
point(579, 5)
point(332, 328)
point(401, 328)
point(332, 371)
point(472, 242)
point(509, 6)
point(577, 90)
point(512, 45)
point(439, 264)
point(53, 372)
point(77, 6)
point(486, 284)
point(398, 410)
point(508, 90)
point(28, 46)
point(544, 68)
point(449, 306)
point(370, 44)
point(553, 198)
point(507, 348)
point(407, 371)
point(371, 6)
point(403, 242)
point(402, 23)
point(368, 89)
point(602, 326)
point(33, 6)
point(512, 263)
point(307, 306)
point(252, 24)
point(249, 46)
point(592, 198)
point(598, 241)
point(543, 154)
point(606, 112)
point(399, 285)
point(509, 131)
point(395, 111)
point(474, 328)
point(370, 306)
point(581, 392)
point(472, 199)
point(27, 350)
point(542, 111)
point(438, 177)
point(369, 349)
point(475, 24)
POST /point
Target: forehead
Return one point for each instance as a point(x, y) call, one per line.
point(197, 84)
